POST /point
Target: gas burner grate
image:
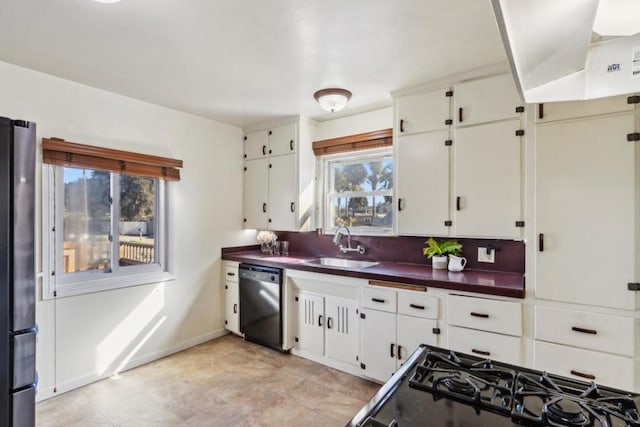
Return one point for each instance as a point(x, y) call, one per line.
point(545, 399)
point(476, 381)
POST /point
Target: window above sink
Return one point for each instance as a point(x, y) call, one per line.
point(358, 191)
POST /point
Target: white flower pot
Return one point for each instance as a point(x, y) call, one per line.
point(439, 262)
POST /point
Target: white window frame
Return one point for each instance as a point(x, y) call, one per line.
point(57, 284)
point(360, 156)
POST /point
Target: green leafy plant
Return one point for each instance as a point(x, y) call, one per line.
point(444, 248)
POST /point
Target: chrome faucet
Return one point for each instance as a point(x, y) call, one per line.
point(339, 235)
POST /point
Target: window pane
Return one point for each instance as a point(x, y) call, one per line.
point(348, 177)
point(369, 212)
point(87, 220)
point(137, 228)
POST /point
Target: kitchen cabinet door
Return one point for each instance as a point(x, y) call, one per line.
point(309, 322)
point(411, 332)
point(282, 140)
point(553, 111)
point(586, 211)
point(342, 338)
point(486, 100)
point(232, 307)
point(422, 164)
point(378, 344)
point(256, 193)
point(282, 193)
point(422, 112)
point(256, 145)
point(487, 182)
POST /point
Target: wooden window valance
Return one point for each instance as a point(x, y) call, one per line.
point(57, 151)
point(361, 141)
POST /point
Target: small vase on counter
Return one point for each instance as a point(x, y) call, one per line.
point(439, 262)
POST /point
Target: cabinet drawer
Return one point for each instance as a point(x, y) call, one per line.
point(379, 299)
point(231, 273)
point(486, 344)
point(614, 334)
point(586, 365)
point(418, 304)
point(504, 317)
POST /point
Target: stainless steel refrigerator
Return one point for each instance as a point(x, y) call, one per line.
point(17, 273)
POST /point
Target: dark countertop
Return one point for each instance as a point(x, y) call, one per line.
point(484, 282)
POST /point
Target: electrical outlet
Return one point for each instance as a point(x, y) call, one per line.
point(484, 257)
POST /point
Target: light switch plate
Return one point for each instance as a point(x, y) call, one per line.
point(484, 257)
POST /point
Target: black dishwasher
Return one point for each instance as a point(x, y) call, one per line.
point(261, 305)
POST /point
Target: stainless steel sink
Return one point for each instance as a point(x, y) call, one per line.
point(341, 262)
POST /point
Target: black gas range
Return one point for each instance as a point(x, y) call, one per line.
point(437, 387)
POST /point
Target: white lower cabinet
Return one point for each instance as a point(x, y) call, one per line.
point(588, 346)
point(326, 325)
point(389, 337)
point(585, 365)
point(410, 333)
point(486, 327)
point(378, 358)
point(231, 297)
point(504, 348)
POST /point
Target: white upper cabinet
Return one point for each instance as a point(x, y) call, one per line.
point(586, 211)
point(422, 112)
point(256, 193)
point(553, 111)
point(282, 140)
point(256, 145)
point(282, 193)
point(487, 195)
point(279, 185)
point(486, 100)
point(422, 184)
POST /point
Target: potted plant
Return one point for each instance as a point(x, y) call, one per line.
point(438, 252)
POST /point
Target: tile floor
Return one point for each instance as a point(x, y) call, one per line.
point(224, 382)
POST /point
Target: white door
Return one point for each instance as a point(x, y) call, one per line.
point(486, 100)
point(586, 212)
point(232, 307)
point(309, 323)
point(378, 349)
point(411, 332)
point(422, 165)
point(256, 145)
point(256, 194)
point(342, 338)
point(282, 193)
point(487, 199)
point(282, 140)
point(422, 112)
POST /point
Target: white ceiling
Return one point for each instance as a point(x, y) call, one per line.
point(248, 61)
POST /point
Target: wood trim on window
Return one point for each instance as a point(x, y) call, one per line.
point(361, 141)
point(57, 151)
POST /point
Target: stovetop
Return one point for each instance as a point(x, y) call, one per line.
point(437, 387)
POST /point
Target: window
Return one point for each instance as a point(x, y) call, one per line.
point(359, 191)
point(108, 229)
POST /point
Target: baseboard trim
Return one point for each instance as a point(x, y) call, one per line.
point(49, 392)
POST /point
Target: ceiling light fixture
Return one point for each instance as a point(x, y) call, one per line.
point(332, 99)
point(107, 1)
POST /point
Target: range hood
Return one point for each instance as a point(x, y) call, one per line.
point(555, 55)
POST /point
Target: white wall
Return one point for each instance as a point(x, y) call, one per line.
point(358, 123)
point(86, 337)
